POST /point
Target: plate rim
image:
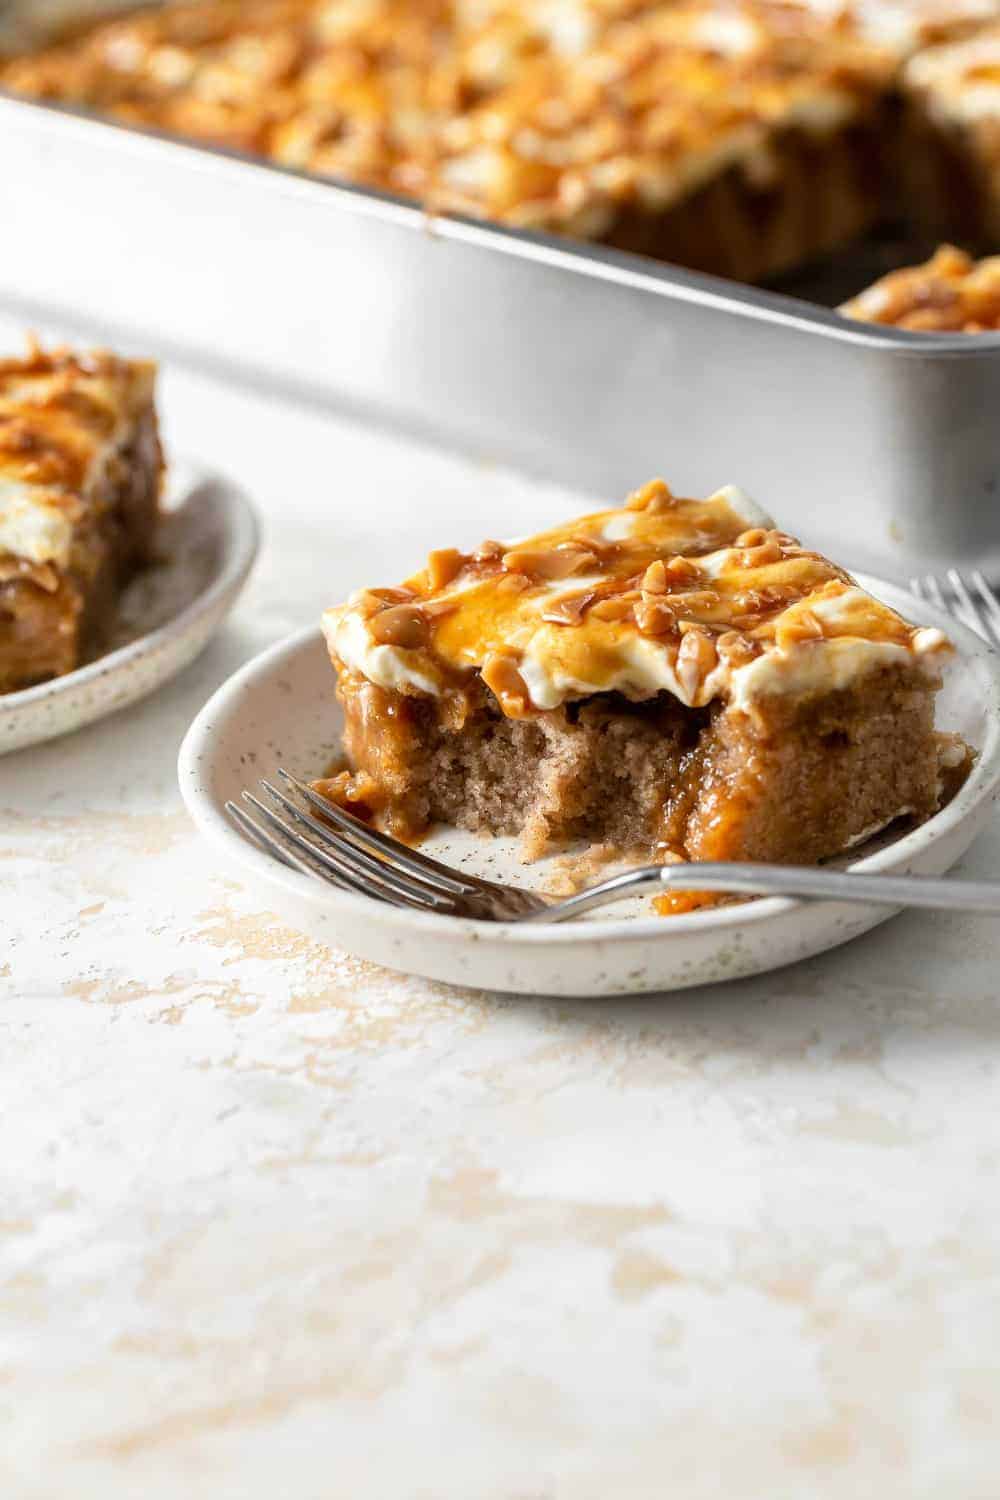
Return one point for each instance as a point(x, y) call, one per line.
point(241, 554)
point(979, 789)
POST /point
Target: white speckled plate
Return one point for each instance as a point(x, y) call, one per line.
point(280, 710)
point(167, 615)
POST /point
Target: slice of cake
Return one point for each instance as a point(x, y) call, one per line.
point(951, 155)
point(80, 472)
point(672, 680)
point(950, 293)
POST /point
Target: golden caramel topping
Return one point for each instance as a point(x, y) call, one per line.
point(950, 293)
point(682, 568)
point(403, 625)
point(500, 674)
point(684, 597)
point(615, 607)
point(539, 115)
point(654, 616)
point(62, 416)
point(654, 580)
point(696, 658)
point(561, 561)
point(443, 566)
point(654, 496)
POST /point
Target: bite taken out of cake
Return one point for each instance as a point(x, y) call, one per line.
point(676, 679)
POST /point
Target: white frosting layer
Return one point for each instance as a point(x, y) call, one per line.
point(645, 667)
point(828, 664)
point(32, 525)
point(388, 667)
point(38, 518)
point(960, 82)
point(741, 505)
point(829, 634)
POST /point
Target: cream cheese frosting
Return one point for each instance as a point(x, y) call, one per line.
point(959, 83)
point(703, 599)
point(63, 417)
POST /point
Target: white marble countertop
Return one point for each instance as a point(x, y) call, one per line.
point(274, 1222)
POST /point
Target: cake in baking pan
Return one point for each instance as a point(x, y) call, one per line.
point(743, 137)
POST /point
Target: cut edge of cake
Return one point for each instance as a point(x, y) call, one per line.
point(744, 699)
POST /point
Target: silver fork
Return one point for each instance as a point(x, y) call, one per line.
point(297, 830)
point(975, 603)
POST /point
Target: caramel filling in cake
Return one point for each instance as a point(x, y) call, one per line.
point(80, 475)
point(677, 679)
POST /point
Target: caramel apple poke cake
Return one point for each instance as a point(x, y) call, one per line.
point(742, 137)
point(677, 679)
point(736, 137)
point(80, 475)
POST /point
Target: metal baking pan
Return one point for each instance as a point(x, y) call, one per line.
point(590, 366)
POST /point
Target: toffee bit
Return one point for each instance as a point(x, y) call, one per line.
point(443, 566)
point(735, 650)
point(751, 538)
point(656, 497)
point(403, 625)
point(654, 580)
point(617, 607)
point(603, 550)
point(761, 601)
point(512, 583)
point(654, 617)
point(761, 555)
point(550, 563)
point(696, 658)
point(798, 625)
point(488, 551)
point(570, 609)
point(435, 608)
point(682, 568)
point(500, 674)
point(697, 601)
point(373, 601)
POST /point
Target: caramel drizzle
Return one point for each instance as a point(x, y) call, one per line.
point(672, 600)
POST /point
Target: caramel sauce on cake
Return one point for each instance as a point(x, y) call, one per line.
point(80, 472)
point(542, 115)
point(704, 599)
point(677, 679)
point(950, 293)
point(59, 410)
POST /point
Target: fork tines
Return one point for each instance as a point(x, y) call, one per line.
point(314, 836)
point(977, 606)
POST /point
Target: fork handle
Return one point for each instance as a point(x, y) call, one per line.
point(783, 880)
